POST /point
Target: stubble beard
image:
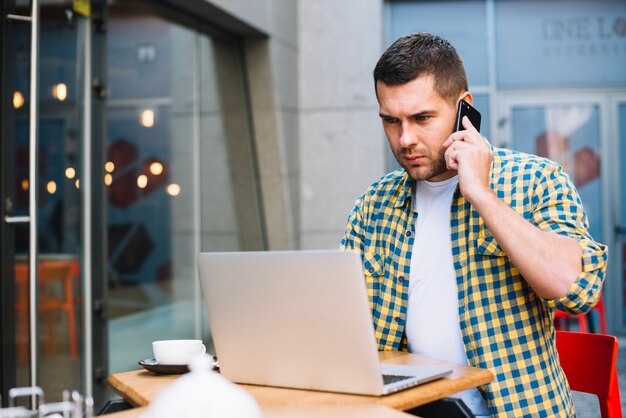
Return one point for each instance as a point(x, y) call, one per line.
point(438, 166)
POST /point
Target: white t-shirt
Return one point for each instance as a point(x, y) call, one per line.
point(432, 325)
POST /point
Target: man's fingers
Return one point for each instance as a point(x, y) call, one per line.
point(469, 135)
point(451, 158)
point(468, 125)
point(459, 145)
point(456, 136)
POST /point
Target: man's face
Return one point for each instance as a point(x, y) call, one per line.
point(417, 121)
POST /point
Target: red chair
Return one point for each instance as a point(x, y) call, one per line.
point(590, 365)
point(50, 272)
point(562, 319)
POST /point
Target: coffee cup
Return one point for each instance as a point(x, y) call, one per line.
point(177, 351)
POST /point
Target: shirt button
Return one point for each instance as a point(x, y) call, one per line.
point(401, 279)
point(371, 270)
point(409, 233)
point(397, 319)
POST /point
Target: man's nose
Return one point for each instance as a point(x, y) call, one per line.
point(409, 136)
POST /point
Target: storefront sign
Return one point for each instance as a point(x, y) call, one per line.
point(569, 43)
point(587, 36)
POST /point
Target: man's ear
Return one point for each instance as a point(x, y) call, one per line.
point(467, 96)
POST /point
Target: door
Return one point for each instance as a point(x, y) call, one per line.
point(47, 191)
point(573, 130)
point(618, 175)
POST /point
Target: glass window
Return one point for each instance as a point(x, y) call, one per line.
point(58, 205)
point(180, 172)
point(481, 103)
point(570, 136)
point(622, 141)
point(570, 43)
point(462, 23)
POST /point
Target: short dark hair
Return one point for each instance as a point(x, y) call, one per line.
point(420, 54)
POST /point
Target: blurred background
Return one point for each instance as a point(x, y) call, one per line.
point(148, 131)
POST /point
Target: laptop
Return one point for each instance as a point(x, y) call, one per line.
point(298, 319)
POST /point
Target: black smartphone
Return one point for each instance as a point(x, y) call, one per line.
point(466, 109)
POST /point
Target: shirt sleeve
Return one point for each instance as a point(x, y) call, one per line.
point(353, 236)
point(557, 208)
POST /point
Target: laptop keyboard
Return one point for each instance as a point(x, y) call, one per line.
point(390, 378)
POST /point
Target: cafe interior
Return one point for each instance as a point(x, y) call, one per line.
point(100, 236)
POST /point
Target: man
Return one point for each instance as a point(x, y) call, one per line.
point(468, 249)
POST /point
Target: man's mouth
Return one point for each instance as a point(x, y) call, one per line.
point(414, 159)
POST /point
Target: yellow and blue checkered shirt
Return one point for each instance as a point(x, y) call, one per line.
point(505, 326)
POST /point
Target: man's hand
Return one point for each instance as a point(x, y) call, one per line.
point(468, 153)
point(549, 262)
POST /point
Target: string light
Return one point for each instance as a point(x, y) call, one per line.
point(173, 189)
point(18, 100)
point(52, 187)
point(142, 181)
point(59, 91)
point(156, 168)
point(147, 118)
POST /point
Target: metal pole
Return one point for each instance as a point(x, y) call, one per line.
point(33, 179)
point(86, 245)
point(196, 178)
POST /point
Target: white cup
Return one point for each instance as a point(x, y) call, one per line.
point(177, 351)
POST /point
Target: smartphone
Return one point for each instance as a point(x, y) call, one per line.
point(466, 109)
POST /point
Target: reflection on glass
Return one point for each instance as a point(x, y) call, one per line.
point(556, 49)
point(59, 214)
point(142, 181)
point(51, 187)
point(17, 64)
point(173, 189)
point(147, 118)
point(462, 23)
point(59, 91)
point(570, 136)
point(18, 100)
point(156, 168)
point(151, 235)
point(622, 250)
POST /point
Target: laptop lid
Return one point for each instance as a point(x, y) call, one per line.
point(297, 319)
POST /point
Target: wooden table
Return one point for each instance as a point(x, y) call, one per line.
point(310, 411)
point(140, 387)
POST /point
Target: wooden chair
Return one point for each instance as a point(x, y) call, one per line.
point(590, 365)
point(562, 319)
point(52, 274)
point(21, 309)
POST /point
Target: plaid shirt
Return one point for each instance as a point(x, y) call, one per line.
point(505, 326)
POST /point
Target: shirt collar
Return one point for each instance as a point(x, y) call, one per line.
point(405, 191)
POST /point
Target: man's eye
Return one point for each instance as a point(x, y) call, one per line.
point(390, 121)
point(422, 118)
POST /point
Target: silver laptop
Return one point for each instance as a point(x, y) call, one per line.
point(298, 319)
